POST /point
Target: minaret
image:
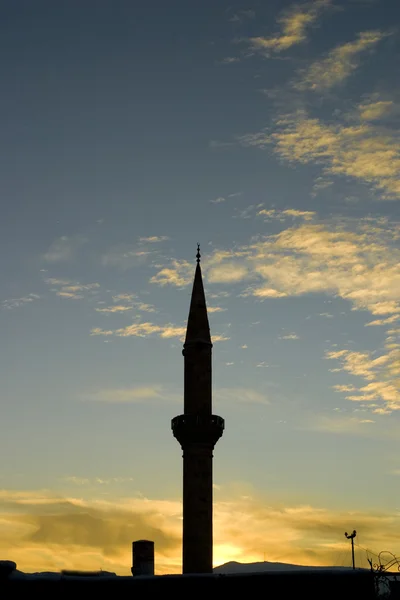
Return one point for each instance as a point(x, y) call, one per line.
point(197, 431)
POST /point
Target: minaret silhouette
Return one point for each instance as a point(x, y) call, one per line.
point(197, 431)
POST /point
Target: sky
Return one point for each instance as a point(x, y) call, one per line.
point(269, 133)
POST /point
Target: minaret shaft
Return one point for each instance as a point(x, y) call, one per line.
point(197, 431)
point(197, 543)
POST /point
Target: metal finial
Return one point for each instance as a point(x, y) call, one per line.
point(198, 255)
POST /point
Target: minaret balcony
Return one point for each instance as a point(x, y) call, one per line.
point(197, 429)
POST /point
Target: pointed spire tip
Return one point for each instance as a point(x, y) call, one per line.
point(198, 255)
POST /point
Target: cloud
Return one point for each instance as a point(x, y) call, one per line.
point(227, 273)
point(154, 239)
point(117, 308)
point(214, 309)
point(71, 289)
point(246, 395)
point(272, 213)
point(380, 390)
point(148, 329)
point(385, 321)
point(218, 200)
point(64, 249)
point(99, 331)
point(125, 256)
point(289, 336)
point(143, 330)
point(219, 338)
point(342, 425)
point(127, 395)
point(356, 260)
point(43, 531)
point(18, 302)
point(339, 64)
point(374, 110)
point(96, 480)
point(228, 60)
point(124, 297)
point(179, 274)
point(365, 152)
point(294, 24)
point(121, 308)
point(240, 15)
point(264, 292)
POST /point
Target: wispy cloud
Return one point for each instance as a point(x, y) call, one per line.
point(364, 151)
point(122, 308)
point(117, 308)
point(241, 15)
point(293, 24)
point(71, 289)
point(154, 239)
point(373, 110)
point(214, 309)
point(148, 329)
point(339, 64)
point(64, 248)
point(12, 303)
point(239, 394)
point(144, 330)
point(228, 60)
point(125, 257)
point(95, 481)
point(141, 393)
point(358, 261)
point(289, 336)
point(272, 213)
point(380, 372)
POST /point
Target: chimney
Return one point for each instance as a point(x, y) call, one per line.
point(142, 558)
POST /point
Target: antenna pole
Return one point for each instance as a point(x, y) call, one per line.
point(351, 536)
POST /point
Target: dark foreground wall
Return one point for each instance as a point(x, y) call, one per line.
point(314, 585)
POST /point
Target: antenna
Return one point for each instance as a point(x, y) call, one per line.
point(351, 536)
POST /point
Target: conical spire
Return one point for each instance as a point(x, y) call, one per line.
point(198, 328)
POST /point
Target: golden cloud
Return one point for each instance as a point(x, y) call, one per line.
point(358, 261)
point(42, 531)
point(71, 289)
point(339, 64)
point(293, 27)
point(364, 152)
point(146, 329)
point(381, 375)
point(372, 111)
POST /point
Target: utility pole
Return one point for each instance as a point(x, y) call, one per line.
point(351, 536)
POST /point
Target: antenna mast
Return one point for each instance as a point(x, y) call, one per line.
point(351, 536)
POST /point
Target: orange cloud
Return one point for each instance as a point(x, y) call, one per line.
point(42, 531)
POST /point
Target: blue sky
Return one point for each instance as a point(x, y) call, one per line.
point(269, 133)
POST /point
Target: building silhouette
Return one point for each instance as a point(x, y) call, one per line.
point(197, 431)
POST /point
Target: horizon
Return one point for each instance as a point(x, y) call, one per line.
point(269, 134)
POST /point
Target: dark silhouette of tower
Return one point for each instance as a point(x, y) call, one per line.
point(197, 431)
